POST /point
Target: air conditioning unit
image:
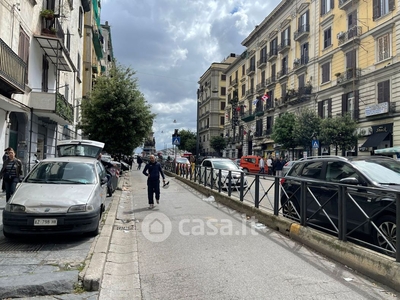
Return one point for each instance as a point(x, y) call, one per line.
point(340, 35)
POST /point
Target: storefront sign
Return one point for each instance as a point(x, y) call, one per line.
point(380, 108)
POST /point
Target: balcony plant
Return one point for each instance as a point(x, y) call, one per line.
point(48, 14)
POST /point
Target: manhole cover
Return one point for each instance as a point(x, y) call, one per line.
point(6, 245)
point(130, 227)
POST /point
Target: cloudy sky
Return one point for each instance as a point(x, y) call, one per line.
point(171, 43)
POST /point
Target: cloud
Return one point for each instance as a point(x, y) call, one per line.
point(171, 43)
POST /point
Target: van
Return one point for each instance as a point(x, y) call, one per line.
point(251, 163)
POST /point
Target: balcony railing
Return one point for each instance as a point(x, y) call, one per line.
point(273, 53)
point(270, 81)
point(64, 108)
point(304, 30)
point(262, 62)
point(260, 86)
point(234, 82)
point(353, 34)
point(283, 72)
point(12, 70)
point(249, 92)
point(300, 62)
point(350, 75)
point(284, 45)
point(250, 70)
point(345, 4)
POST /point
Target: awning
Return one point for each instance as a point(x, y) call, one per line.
point(56, 52)
point(375, 139)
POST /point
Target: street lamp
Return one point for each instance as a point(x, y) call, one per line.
point(197, 127)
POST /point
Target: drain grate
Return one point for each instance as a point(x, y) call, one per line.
point(6, 246)
point(130, 227)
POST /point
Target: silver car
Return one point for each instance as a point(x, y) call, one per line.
point(59, 195)
point(227, 166)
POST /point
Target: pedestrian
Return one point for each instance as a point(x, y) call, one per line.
point(5, 156)
point(153, 171)
point(269, 165)
point(261, 163)
point(11, 172)
point(279, 166)
point(139, 162)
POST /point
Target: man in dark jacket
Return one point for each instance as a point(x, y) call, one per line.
point(153, 171)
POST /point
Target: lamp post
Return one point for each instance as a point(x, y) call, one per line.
point(197, 127)
point(234, 102)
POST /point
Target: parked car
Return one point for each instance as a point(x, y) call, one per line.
point(225, 165)
point(60, 195)
point(362, 205)
point(287, 166)
point(251, 163)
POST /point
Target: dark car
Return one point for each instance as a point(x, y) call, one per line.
point(366, 207)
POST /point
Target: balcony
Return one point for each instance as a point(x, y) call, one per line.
point(270, 81)
point(284, 46)
point(251, 70)
point(352, 35)
point(259, 112)
point(234, 82)
point(273, 54)
point(346, 4)
point(298, 63)
point(12, 71)
point(283, 73)
point(269, 105)
point(57, 109)
point(51, 41)
point(351, 74)
point(304, 31)
point(261, 86)
point(247, 116)
point(261, 63)
point(249, 92)
point(298, 96)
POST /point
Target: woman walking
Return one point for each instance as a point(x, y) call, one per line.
point(11, 171)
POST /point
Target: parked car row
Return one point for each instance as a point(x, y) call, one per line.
point(65, 194)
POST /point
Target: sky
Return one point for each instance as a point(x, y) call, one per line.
point(170, 44)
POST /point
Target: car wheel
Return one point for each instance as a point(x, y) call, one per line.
point(97, 230)
point(246, 170)
point(290, 208)
point(387, 227)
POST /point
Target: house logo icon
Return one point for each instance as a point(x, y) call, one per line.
point(156, 227)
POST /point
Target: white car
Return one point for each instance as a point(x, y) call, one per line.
point(227, 166)
point(65, 194)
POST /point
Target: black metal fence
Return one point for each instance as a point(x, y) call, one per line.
point(337, 209)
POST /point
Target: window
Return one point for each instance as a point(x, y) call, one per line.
point(263, 77)
point(384, 91)
point(223, 91)
point(327, 37)
point(326, 6)
point(285, 37)
point(223, 77)
point(243, 70)
point(303, 22)
point(312, 170)
point(325, 108)
point(273, 46)
point(382, 7)
point(45, 74)
point(273, 72)
point(269, 124)
point(283, 90)
point(301, 80)
point(80, 22)
point(68, 40)
point(78, 67)
point(243, 90)
point(326, 72)
point(23, 50)
point(350, 104)
point(383, 47)
point(230, 80)
point(222, 105)
point(222, 121)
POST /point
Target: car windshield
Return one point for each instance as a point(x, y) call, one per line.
point(62, 173)
point(225, 165)
point(382, 172)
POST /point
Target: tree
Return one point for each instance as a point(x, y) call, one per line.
point(116, 112)
point(307, 126)
point(218, 143)
point(188, 140)
point(283, 131)
point(340, 132)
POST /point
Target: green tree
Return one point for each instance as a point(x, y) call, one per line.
point(188, 140)
point(116, 112)
point(308, 125)
point(283, 131)
point(218, 143)
point(340, 132)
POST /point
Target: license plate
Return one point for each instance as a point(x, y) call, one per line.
point(45, 222)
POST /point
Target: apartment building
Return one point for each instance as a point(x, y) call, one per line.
point(211, 97)
point(334, 57)
point(41, 74)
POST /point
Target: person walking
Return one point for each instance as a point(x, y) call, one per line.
point(153, 171)
point(5, 156)
point(269, 165)
point(139, 162)
point(261, 163)
point(279, 166)
point(10, 172)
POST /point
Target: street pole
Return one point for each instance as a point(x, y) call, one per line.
point(234, 103)
point(197, 133)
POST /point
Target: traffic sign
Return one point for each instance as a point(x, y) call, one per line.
point(176, 140)
point(315, 144)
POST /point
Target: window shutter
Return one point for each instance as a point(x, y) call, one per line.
point(375, 9)
point(332, 4)
point(320, 109)
point(386, 91)
point(391, 5)
point(380, 92)
point(329, 108)
point(344, 104)
point(356, 105)
point(323, 4)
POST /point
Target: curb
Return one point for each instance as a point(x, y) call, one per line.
point(376, 266)
point(92, 275)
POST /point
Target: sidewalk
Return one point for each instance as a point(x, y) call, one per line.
point(205, 250)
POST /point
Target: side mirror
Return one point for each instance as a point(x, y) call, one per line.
point(349, 180)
